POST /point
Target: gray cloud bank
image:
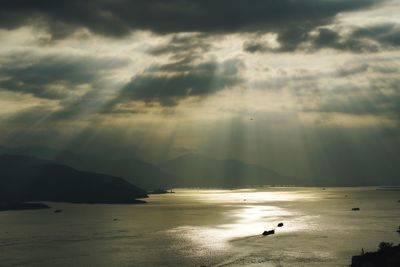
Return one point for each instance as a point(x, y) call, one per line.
point(170, 83)
point(118, 18)
point(372, 38)
point(42, 76)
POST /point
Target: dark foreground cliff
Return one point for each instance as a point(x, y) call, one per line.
point(386, 256)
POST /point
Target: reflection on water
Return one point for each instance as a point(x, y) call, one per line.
point(253, 195)
point(206, 227)
point(249, 218)
point(244, 222)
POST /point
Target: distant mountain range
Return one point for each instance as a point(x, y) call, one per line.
point(193, 170)
point(190, 170)
point(198, 170)
point(25, 178)
point(133, 170)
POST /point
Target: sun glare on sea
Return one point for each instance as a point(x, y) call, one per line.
point(250, 213)
point(250, 196)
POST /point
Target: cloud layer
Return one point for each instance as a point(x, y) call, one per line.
point(116, 18)
point(300, 86)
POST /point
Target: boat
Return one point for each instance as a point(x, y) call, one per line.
point(270, 232)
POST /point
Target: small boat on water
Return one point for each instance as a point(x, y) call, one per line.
point(270, 232)
point(354, 209)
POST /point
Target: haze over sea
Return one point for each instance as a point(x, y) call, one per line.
point(206, 227)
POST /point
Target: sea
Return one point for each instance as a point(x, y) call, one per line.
point(207, 227)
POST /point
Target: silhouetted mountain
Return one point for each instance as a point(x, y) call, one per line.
point(135, 171)
point(24, 178)
point(192, 170)
point(197, 170)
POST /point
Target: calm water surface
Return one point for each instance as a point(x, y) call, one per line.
point(206, 227)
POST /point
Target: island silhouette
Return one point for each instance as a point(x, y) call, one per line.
point(29, 179)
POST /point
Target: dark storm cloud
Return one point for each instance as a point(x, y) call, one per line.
point(187, 74)
point(312, 41)
point(169, 83)
point(326, 37)
point(372, 38)
point(118, 18)
point(388, 33)
point(42, 77)
point(255, 46)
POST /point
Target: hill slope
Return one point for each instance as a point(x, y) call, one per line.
point(133, 170)
point(25, 178)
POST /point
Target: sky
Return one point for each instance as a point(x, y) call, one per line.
point(309, 88)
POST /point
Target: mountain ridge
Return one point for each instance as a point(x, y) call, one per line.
point(133, 170)
point(26, 178)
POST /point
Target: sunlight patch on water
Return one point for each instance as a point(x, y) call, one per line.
point(246, 195)
point(251, 215)
point(247, 222)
